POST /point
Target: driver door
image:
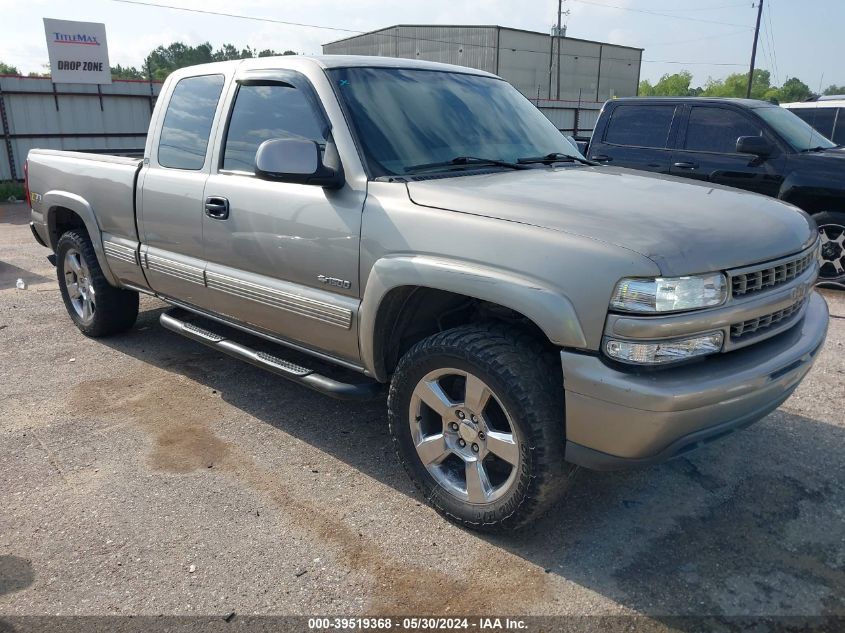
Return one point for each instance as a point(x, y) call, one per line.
point(281, 257)
point(707, 151)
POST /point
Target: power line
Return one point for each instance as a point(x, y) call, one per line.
point(770, 32)
point(240, 17)
point(722, 6)
point(406, 37)
point(658, 13)
point(698, 39)
point(665, 61)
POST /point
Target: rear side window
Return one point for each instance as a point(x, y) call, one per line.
point(716, 130)
point(640, 125)
point(187, 122)
point(820, 118)
point(267, 112)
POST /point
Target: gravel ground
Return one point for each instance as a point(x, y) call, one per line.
point(145, 474)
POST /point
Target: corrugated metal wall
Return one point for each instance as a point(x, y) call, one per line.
point(570, 117)
point(589, 72)
point(75, 116)
point(472, 46)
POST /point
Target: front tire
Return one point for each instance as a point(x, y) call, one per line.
point(832, 259)
point(95, 306)
point(477, 419)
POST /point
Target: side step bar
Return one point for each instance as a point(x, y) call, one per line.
point(279, 366)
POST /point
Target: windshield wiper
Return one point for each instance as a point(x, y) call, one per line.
point(817, 148)
point(555, 157)
point(460, 161)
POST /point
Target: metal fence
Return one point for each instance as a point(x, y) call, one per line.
point(35, 112)
point(577, 118)
point(114, 118)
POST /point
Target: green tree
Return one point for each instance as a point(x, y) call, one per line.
point(45, 72)
point(794, 89)
point(645, 89)
point(228, 52)
point(126, 72)
point(735, 85)
point(675, 85)
point(8, 69)
point(165, 59)
point(833, 89)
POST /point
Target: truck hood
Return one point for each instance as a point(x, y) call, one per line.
point(683, 226)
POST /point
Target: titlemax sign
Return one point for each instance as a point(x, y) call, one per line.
point(78, 52)
point(75, 38)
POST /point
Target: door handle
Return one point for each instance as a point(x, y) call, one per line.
point(601, 158)
point(217, 207)
point(686, 165)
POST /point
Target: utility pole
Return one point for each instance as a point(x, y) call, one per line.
point(559, 14)
point(754, 48)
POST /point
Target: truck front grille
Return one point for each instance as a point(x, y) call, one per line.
point(745, 281)
point(738, 330)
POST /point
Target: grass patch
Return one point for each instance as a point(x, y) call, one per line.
point(10, 188)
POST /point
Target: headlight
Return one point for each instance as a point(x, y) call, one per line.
point(664, 351)
point(670, 294)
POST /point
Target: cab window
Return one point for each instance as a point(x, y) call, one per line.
point(717, 129)
point(640, 125)
point(264, 112)
point(187, 122)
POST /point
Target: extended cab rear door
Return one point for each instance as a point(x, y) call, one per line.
point(707, 149)
point(171, 187)
point(635, 134)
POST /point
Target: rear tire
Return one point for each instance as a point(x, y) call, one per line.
point(832, 232)
point(95, 306)
point(477, 419)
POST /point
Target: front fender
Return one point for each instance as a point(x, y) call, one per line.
point(552, 312)
point(811, 192)
point(55, 199)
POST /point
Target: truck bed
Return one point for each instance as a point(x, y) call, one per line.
point(103, 182)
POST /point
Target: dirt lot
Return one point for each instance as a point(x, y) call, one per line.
point(144, 474)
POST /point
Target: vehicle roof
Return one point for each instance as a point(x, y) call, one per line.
point(747, 103)
point(330, 61)
point(821, 103)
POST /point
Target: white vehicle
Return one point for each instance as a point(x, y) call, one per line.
point(826, 114)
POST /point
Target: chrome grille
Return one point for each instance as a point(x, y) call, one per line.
point(738, 330)
point(755, 280)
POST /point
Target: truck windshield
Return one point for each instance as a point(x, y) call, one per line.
point(793, 130)
point(405, 118)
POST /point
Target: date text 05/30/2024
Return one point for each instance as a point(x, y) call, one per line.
point(416, 624)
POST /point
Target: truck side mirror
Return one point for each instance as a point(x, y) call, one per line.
point(756, 145)
point(295, 160)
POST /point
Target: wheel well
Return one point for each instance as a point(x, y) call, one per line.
point(409, 314)
point(62, 220)
point(816, 204)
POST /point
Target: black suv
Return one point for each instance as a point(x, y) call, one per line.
point(742, 143)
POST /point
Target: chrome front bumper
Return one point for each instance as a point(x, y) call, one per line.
point(620, 419)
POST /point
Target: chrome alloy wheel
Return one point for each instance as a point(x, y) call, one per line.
point(832, 253)
point(78, 284)
point(463, 436)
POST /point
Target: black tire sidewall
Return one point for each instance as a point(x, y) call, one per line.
point(505, 512)
point(115, 310)
point(831, 217)
point(72, 240)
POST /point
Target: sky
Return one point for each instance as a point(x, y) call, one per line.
point(710, 38)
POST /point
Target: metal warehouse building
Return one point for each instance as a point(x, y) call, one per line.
point(582, 77)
